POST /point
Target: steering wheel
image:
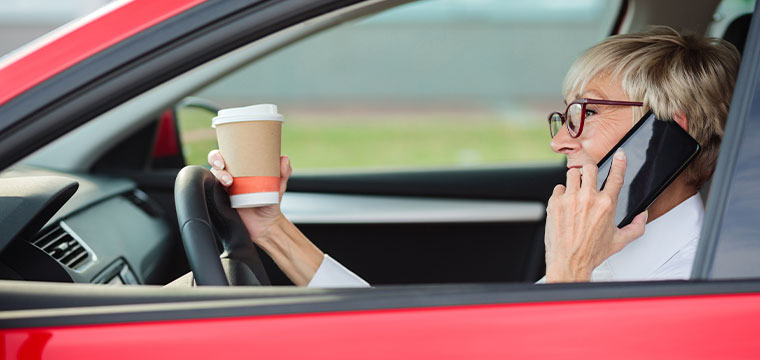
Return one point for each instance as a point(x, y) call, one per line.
point(205, 215)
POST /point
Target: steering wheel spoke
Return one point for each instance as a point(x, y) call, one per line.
point(204, 214)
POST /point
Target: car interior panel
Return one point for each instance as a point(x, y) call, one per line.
point(73, 234)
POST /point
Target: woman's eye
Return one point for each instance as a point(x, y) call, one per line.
point(590, 112)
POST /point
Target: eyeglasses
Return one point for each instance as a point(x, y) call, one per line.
point(575, 115)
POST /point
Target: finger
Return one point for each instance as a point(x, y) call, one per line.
point(215, 159)
point(285, 172)
point(558, 190)
point(551, 205)
point(630, 232)
point(223, 176)
point(589, 177)
point(573, 180)
point(617, 174)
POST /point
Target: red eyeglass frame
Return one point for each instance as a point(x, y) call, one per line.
point(583, 102)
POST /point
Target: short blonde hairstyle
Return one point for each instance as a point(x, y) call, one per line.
point(669, 73)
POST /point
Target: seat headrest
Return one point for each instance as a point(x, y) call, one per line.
point(736, 32)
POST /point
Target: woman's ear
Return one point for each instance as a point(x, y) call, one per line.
point(680, 119)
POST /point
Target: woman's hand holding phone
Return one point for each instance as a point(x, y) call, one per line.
point(580, 223)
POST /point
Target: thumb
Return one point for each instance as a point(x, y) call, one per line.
point(630, 232)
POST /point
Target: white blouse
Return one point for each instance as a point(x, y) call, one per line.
point(666, 251)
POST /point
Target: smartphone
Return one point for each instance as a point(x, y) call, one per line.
point(656, 152)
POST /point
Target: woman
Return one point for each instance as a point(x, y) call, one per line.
point(683, 78)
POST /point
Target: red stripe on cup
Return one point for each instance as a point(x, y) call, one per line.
point(254, 184)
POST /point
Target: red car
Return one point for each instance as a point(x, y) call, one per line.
point(89, 155)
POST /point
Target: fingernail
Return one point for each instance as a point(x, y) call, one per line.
point(620, 154)
point(227, 179)
point(218, 164)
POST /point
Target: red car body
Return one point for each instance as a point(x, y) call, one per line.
point(700, 325)
point(695, 327)
point(60, 50)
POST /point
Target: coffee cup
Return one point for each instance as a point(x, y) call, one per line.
point(249, 140)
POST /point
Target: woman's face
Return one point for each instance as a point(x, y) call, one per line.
point(604, 126)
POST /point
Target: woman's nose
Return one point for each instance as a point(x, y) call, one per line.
point(563, 143)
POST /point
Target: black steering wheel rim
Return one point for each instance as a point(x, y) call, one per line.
point(205, 215)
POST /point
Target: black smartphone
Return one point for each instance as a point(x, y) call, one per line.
point(656, 153)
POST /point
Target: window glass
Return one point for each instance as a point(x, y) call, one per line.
point(193, 121)
point(426, 84)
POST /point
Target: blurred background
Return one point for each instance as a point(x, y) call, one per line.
point(432, 83)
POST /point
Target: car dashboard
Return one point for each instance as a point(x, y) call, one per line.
point(106, 232)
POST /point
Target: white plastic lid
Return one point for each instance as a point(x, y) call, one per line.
point(259, 112)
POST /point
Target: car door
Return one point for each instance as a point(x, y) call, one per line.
point(712, 318)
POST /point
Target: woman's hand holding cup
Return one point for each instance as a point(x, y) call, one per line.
point(255, 176)
point(258, 220)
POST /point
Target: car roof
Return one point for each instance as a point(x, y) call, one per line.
point(76, 41)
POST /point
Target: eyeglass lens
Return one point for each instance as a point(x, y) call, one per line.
point(574, 113)
point(555, 124)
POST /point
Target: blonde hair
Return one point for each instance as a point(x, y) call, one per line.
point(669, 73)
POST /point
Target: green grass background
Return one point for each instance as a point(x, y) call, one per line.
point(376, 141)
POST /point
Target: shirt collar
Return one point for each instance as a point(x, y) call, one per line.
point(663, 237)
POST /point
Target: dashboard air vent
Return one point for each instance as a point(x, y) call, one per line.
point(62, 246)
